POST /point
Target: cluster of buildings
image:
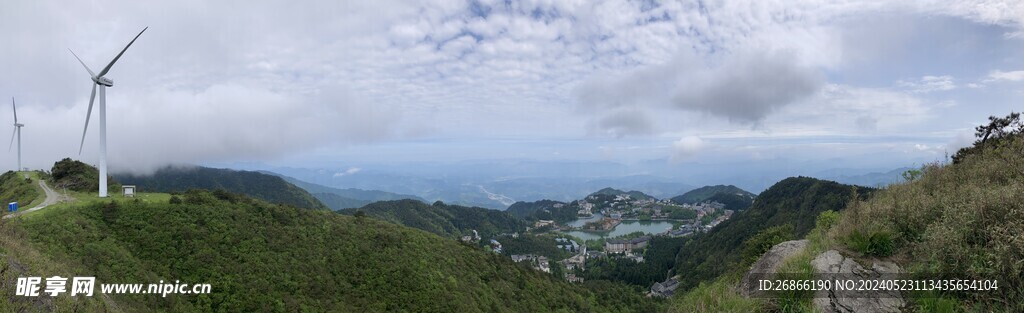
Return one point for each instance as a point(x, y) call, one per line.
point(538, 262)
point(577, 261)
point(542, 223)
point(626, 245)
point(685, 230)
point(719, 219)
point(586, 208)
point(569, 245)
point(664, 289)
point(706, 207)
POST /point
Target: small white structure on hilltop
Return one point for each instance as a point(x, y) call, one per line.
point(129, 190)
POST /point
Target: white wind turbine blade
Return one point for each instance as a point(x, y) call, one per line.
point(106, 69)
point(15, 107)
point(87, 115)
point(15, 132)
point(83, 63)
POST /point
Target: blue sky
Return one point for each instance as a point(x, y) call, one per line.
point(341, 83)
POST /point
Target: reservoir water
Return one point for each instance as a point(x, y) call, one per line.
point(649, 227)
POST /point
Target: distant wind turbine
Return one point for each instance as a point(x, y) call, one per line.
point(103, 83)
point(17, 132)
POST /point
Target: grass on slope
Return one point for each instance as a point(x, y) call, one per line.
point(962, 221)
point(19, 258)
point(15, 188)
point(86, 198)
point(261, 257)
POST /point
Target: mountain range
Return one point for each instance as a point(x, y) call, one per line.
point(338, 198)
point(255, 184)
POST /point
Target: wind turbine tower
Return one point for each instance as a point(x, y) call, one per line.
point(103, 82)
point(17, 133)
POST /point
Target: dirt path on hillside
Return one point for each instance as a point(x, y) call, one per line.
point(52, 197)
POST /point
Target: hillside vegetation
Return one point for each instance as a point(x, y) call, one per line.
point(659, 258)
point(705, 193)
point(261, 257)
point(542, 209)
point(788, 209)
point(15, 188)
point(732, 201)
point(77, 176)
point(254, 184)
point(958, 221)
point(443, 219)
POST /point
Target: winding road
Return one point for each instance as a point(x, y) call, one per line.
point(52, 197)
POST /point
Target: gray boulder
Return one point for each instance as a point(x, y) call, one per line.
point(833, 264)
point(768, 264)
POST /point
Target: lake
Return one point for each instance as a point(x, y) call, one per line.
point(649, 227)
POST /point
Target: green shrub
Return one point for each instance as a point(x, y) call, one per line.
point(826, 219)
point(763, 241)
point(78, 176)
point(198, 197)
point(874, 243)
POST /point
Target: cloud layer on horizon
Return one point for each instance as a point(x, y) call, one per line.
point(229, 81)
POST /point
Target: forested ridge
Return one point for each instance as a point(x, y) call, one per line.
point(254, 184)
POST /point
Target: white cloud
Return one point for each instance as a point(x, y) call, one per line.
point(929, 84)
point(349, 171)
point(686, 147)
point(998, 76)
point(216, 81)
point(844, 109)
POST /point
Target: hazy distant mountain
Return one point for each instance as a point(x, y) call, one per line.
point(337, 198)
point(615, 192)
point(358, 194)
point(490, 184)
point(524, 209)
point(655, 186)
point(704, 193)
point(873, 179)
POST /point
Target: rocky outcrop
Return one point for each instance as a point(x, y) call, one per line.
point(832, 264)
point(769, 263)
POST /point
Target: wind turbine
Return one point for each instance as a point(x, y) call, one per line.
point(103, 83)
point(17, 132)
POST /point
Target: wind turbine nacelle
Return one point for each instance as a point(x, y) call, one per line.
point(104, 81)
point(19, 125)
